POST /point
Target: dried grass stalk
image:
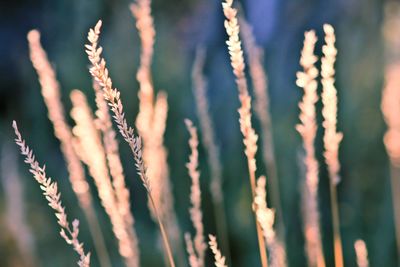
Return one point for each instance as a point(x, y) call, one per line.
point(99, 71)
point(93, 154)
point(308, 129)
point(150, 123)
point(196, 215)
point(141, 10)
point(361, 253)
point(115, 166)
point(266, 218)
point(332, 138)
point(50, 90)
point(219, 260)
point(262, 110)
point(210, 143)
point(249, 135)
point(53, 196)
point(51, 95)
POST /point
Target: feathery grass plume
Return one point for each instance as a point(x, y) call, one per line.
point(390, 104)
point(158, 167)
point(332, 138)
point(141, 10)
point(266, 218)
point(114, 163)
point(262, 109)
point(209, 140)
point(196, 215)
point(193, 261)
point(90, 146)
point(150, 123)
point(50, 90)
point(308, 130)
point(249, 135)
point(99, 71)
point(219, 260)
point(50, 191)
point(15, 205)
point(361, 253)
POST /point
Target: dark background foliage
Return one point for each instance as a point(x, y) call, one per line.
point(364, 193)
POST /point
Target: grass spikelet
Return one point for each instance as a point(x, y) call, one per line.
point(266, 218)
point(51, 95)
point(332, 138)
point(210, 143)
point(90, 145)
point(159, 167)
point(262, 111)
point(50, 90)
point(308, 129)
point(50, 191)
point(196, 215)
point(141, 10)
point(150, 123)
point(361, 253)
point(249, 135)
point(219, 260)
point(115, 166)
point(99, 71)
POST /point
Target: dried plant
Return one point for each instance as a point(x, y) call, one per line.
point(262, 110)
point(15, 208)
point(209, 141)
point(266, 218)
point(308, 129)
point(219, 260)
point(93, 141)
point(332, 138)
point(361, 253)
point(249, 135)
point(99, 71)
point(150, 123)
point(329, 98)
point(115, 166)
point(196, 215)
point(93, 154)
point(50, 90)
point(50, 191)
point(141, 10)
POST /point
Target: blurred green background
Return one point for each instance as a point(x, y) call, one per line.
point(364, 193)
